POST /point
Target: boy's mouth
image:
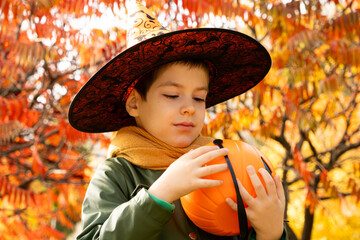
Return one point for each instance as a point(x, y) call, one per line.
point(185, 125)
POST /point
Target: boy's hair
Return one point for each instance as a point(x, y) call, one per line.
point(144, 84)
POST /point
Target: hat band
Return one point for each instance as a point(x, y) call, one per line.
point(128, 91)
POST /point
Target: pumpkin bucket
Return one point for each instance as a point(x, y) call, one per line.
point(207, 207)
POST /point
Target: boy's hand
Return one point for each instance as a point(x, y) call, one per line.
point(266, 211)
point(186, 174)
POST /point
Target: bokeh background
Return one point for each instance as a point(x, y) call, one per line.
point(304, 116)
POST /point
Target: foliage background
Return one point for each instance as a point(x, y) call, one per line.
point(304, 116)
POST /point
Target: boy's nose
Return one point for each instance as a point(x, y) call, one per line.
point(188, 108)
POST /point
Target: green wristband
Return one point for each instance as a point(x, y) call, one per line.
point(164, 204)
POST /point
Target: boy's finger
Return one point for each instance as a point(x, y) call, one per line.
point(211, 155)
point(194, 153)
point(231, 203)
point(269, 182)
point(206, 183)
point(211, 169)
point(246, 197)
point(258, 187)
point(279, 189)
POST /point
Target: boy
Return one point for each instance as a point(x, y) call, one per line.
point(158, 155)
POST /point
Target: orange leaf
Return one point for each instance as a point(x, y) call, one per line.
point(324, 179)
point(351, 182)
point(53, 157)
point(358, 196)
point(14, 196)
point(301, 167)
point(21, 195)
point(9, 191)
point(65, 100)
point(55, 138)
point(312, 206)
point(50, 233)
point(32, 197)
point(37, 165)
point(33, 118)
point(1, 183)
point(26, 195)
point(5, 187)
point(354, 190)
point(64, 220)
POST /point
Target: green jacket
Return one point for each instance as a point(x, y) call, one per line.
point(113, 209)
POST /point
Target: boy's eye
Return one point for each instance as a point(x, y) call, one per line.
point(199, 99)
point(170, 96)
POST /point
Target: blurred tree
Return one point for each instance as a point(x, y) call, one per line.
point(44, 162)
point(305, 112)
point(307, 108)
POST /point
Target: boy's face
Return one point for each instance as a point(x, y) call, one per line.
point(174, 109)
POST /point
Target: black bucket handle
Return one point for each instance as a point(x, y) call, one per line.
point(243, 224)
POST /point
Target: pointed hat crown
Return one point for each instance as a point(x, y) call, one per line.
point(142, 24)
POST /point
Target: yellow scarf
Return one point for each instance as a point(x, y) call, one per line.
point(144, 150)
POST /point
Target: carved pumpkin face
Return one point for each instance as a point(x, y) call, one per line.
point(207, 208)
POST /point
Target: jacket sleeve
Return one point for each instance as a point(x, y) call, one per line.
point(109, 212)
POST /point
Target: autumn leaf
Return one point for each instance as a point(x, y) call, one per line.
point(37, 165)
point(301, 166)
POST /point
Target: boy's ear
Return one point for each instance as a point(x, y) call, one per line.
point(132, 103)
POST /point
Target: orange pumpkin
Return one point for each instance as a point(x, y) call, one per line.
point(207, 208)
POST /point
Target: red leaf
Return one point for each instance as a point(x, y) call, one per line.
point(1, 183)
point(5, 188)
point(9, 191)
point(301, 167)
point(32, 197)
point(21, 195)
point(14, 196)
